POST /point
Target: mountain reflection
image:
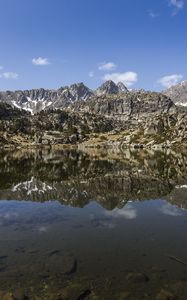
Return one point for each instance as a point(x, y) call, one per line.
point(111, 178)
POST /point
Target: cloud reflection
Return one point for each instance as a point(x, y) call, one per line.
point(170, 210)
point(127, 212)
point(42, 229)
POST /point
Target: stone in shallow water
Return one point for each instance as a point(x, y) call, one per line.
point(7, 296)
point(125, 296)
point(76, 292)
point(19, 295)
point(137, 277)
point(165, 295)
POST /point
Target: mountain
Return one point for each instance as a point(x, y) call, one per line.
point(37, 100)
point(111, 115)
point(110, 88)
point(178, 94)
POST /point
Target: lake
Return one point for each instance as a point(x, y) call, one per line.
point(98, 224)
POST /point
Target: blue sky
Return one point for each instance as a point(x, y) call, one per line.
point(52, 43)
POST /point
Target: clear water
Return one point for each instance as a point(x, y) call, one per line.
point(93, 226)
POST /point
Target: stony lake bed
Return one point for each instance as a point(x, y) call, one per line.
point(93, 225)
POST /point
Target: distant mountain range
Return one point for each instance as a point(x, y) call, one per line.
point(39, 99)
point(36, 100)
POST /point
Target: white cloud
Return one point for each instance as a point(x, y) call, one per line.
point(168, 81)
point(40, 61)
point(109, 66)
point(152, 14)
point(128, 78)
point(179, 4)
point(9, 75)
point(1, 67)
point(91, 74)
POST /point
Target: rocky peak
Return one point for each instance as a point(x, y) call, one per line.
point(80, 92)
point(107, 88)
point(178, 93)
point(110, 88)
point(122, 88)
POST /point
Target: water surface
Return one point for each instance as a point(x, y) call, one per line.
point(98, 225)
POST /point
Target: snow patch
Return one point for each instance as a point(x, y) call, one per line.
point(181, 186)
point(32, 186)
point(31, 105)
point(181, 104)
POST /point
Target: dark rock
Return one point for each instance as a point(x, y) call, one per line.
point(73, 138)
point(84, 295)
point(73, 268)
point(54, 252)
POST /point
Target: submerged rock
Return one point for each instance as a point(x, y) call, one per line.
point(137, 277)
point(165, 295)
point(125, 296)
point(7, 296)
point(72, 269)
point(20, 295)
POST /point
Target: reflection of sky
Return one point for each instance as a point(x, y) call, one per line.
point(108, 219)
point(8, 217)
point(170, 210)
point(42, 229)
point(127, 212)
point(41, 217)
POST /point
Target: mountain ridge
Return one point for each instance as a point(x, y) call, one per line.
point(35, 100)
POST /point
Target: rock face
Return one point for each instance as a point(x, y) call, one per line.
point(129, 106)
point(50, 127)
point(178, 94)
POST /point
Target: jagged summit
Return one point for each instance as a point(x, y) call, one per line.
point(178, 93)
point(109, 87)
point(39, 99)
point(79, 91)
